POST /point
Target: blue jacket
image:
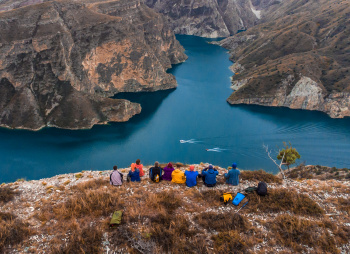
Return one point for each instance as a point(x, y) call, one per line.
point(232, 177)
point(135, 176)
point(191, 178)
point(210, 176)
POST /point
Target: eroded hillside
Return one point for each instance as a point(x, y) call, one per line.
point(299, 57)
point(60, 60)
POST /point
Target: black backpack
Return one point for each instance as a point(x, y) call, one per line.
point(262, 189)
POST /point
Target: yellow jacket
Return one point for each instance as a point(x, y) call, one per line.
point(178, 176)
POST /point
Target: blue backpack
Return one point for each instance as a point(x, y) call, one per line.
point(239, 197)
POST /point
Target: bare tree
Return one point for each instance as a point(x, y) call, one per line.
point(274, 161)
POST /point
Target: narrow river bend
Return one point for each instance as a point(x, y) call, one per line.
point(197, 110)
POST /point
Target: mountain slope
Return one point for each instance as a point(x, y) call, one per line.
point(66, 57)
point(299, 57)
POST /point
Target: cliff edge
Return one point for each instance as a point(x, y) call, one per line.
point(60, 60)
point(298, 57)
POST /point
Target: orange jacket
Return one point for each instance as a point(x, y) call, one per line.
point(178, 176)
point(140, 168)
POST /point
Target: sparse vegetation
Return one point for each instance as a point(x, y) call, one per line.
point(12, 230)
point(171, 218)
point(260, 175)
point(7, 194)
point(288, 155)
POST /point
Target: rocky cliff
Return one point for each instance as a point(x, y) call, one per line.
point(207, 18)
point(60, 60)
point(299, 57)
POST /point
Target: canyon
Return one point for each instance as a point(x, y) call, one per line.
point(61, 61)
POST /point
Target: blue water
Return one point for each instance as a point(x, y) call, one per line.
point(197, 109)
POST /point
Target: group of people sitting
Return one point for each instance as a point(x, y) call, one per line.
point(169, 173)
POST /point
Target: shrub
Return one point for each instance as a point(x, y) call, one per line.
point(7, 194)
point(229, 242)
point(222, 221)
point(291, 231)
point(86, 240)
point(260, 175)
point(88, 202)
point(12, 230)
point(280, 200)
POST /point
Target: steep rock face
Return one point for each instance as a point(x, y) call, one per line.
point(299, 57)
point(206, 18)
point(65, 58)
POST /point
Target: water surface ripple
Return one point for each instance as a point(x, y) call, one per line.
point(198, 110)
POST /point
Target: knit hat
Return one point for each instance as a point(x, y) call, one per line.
point(192, 167)
point(170, 165)
point(210, 166)
point(234, 165)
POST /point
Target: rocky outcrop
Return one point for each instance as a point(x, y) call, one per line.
point(65, 58)
point(297, 58)
point(206, 18)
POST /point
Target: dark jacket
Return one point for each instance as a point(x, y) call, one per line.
point(134, 175)
point(210, 176)
point(154, 171)
point(232, 177)
point(191, 178)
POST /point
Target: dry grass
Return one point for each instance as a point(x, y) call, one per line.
point(7, 194)
point(223, 222)
point(318, 172)
point(81, 241)
point(230, 242)
point(12, 230)
point(283, 200)
point(260, 175)
point(299, 233)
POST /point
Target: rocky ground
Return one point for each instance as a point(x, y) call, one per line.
point(70, 213)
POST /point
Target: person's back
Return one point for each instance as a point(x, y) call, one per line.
point(134, 175)
point(232, 177)
point(139, 166)
point(178, 176)
point(167, 172)
point(116, 178)
point(191, 177)
point(155, 173)
point(210, 177)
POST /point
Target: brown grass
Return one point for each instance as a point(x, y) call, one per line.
point(282, 200)
point(7, 194)
point(294, 232)
point(12, 230)
point(230, 242)
point(260, 175)
point(223, 222)
point(82, 240)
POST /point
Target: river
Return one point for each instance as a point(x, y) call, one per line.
point(197, 110)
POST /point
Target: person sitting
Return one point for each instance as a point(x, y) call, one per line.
point(210, 176)
point(139, 166)
point(191, 177)
point(155, 173)
point(116, 178)
point(232, 176)
point(167, 172)
point(134, 175)
point(177, 176)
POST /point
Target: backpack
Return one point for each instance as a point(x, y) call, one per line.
point(226, 197)
point(116, 219)
point(239, 197)
point(262, 189)
point(250, 190)
point(156, 178)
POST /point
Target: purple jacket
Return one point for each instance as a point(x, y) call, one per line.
point(167, 173)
